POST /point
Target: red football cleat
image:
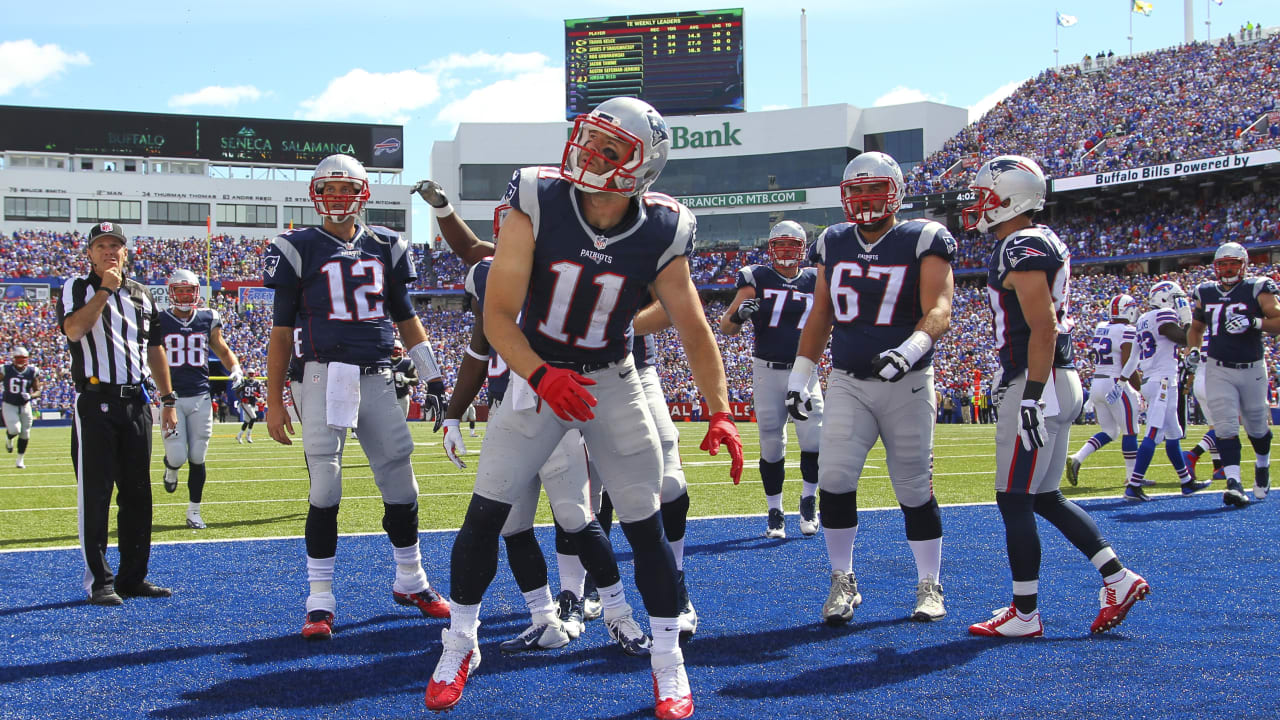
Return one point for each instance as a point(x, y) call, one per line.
point(672, 698)
point(460, 658)
point(319, 625)
point(428, 602)
point(1117, 598)
point(1006, 623)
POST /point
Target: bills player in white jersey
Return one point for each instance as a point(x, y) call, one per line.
point(1160, 332)
point(1112, 347)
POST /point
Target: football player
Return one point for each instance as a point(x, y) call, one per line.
point(188, 334)
point(21, 386)
point(583, 246)
point(1112, 346)
point(776, 299)
point(345, 285)
point(1160, 332)
point(1209, 441)
point(404, 374)
point(883, 298)
point(1232, 312)
point(247, 399)
point(1028, 279)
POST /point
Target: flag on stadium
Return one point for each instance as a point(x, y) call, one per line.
point(1066, 20)
point(1141, 6)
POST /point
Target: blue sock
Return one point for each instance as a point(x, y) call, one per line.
point(1173, 449)
point(1129, 443)
point(1146, 451)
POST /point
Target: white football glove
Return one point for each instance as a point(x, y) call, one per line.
point(1113, 397)
point(997, 388)
point(1031, 424)
point(893, 365)
point(1238, 323)
point(400, 379)
point(235, 377)
point(1193, 358)
point(453, 444)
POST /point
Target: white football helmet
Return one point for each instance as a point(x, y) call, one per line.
point(625, 140)
point(339, 207)
point(1165, 294)
point(20, 357)
point(1006, 187)
point(1124, 307)
point(184, 290)
point(787, 244)
point(871, 168)
point(1229, 263)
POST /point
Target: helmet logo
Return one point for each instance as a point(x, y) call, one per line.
point(658, 127)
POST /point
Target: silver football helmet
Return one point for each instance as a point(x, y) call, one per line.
point(334, 206)
point(871, 168)
point(787, 244)
point(20, 357)
point(1124, 307)
point(620, 147)
point(184, 290)
point(1229, 263)
point(1006, 187)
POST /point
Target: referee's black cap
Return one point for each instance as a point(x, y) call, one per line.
point(106, 229)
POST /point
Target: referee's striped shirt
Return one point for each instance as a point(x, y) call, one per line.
point(115, 348)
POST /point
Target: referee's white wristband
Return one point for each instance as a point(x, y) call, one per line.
point(445, 211)
point(425, 361)
point(801, 371)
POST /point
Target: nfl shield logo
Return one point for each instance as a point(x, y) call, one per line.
point(600, 242)
point(103, 407)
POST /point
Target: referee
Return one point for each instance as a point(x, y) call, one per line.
point(110, 324)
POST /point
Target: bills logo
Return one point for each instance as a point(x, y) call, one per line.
point(390, 146)
point(1015, 254)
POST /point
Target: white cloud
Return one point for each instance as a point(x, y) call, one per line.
point(377, 97)
point(216, 95)
point(981, 107)
point(506, 62)
point(902, 94)
point(536, 96)
point(23, 63)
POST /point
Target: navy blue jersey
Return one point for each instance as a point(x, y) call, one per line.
point(295, 357)
point(499, 374)
point(250, 391)
point(405, 367)
point(1212, 303)
point(340, 290)
point(17, 382)
point(644, 350)
point(1032, 249)
point(784, 306)
point(186, 345)
point(875, 289)
point(586, 287)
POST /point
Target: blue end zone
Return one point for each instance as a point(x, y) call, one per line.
point(227, 644)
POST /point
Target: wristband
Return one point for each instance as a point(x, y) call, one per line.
point(476, 355)
point(916, 346)
point(425, 360)
point(445, 211)
point(1033, 390)
point(535, 377)
point(801, 371)
point(169, 399)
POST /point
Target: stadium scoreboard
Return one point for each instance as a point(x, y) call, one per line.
point(682, 63)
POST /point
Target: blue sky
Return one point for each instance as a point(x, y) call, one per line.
point(430, 65)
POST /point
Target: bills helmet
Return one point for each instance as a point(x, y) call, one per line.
point(499, 216)
point(1005, 187)
point(620, 147)
point(20, 356)
point(787, 244)
point(184, 290)
point(871, 189)
point(339, 207)
point(1229, 262)
point(1124, 307)
point(1165, 294)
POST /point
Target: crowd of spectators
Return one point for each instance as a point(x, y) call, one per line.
point(1182, 103)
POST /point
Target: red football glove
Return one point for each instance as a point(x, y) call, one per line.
point(562, 390)
point(722, 431)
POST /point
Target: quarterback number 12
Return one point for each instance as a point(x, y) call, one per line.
point(366, 309)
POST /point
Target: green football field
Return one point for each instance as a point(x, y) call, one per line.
point(260, 490)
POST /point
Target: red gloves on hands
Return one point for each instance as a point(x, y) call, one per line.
point(722, 431)
point(564, 392)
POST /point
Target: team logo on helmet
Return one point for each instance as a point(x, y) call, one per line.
point(658, 127)
point(1003, 165)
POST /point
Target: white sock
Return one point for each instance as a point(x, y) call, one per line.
point(840, 547)
point(192, 507)
point(1114, 577)
point(1261, 461)
point(464, 618)
point(775, 501)
point(677, 549)
point(573, 577)
point(540, 603)
point(666, 635)
point(320, 570)
point(613, 598)
point(1102, 557)
point(1026, 587)
point(928, 554)
point(809, 490)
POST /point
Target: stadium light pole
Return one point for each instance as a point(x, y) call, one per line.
point(804, 60)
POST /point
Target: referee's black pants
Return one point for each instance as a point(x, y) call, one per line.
point(111, 449)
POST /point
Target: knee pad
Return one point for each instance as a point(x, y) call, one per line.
point(924, 522)
point(571, 516)
point(773, 474)
point(674, 517)
point(528, 565)
point(400, 521)
point(809, 466)
point(1261, 445)
point(322, 531)
point(838, 510)
point(325, 472)
point(773, 443)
